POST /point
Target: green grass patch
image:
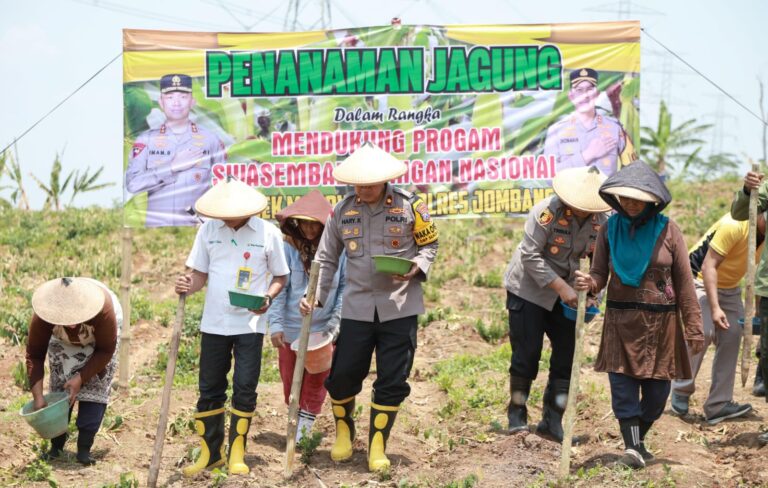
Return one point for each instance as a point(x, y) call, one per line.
point(434, 314)
point(475, 385)
point(492, 279)
point(492, 330)
point(20, 378)
point(127, 480)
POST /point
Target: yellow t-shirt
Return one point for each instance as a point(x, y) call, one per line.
point(728, 238)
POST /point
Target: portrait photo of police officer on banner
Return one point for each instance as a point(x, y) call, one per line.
point(591, 135)
point(170, 163)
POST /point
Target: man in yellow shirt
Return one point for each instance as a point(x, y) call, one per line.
point(719, 262)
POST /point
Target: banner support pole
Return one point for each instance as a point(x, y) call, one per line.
point(124, 375)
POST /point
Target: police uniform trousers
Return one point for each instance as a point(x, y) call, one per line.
point(216, 353)
point(395, 344)
point(528, 323)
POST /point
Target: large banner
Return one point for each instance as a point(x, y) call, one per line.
point(484, 116)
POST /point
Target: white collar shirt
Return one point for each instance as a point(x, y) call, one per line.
point(221, 251)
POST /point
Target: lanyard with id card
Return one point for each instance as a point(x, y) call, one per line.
point(243, 281)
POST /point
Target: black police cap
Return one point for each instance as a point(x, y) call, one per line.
point(583, 74)
point(176, 82)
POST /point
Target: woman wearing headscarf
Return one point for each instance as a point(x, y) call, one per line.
point(302, 224)
point(559, 230)
point(651, 308)
point(77, 322)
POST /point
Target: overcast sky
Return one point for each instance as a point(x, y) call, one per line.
point(48, 48)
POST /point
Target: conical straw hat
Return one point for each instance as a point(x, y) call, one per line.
point(369, 165)
point(578, 188)
point(231, 199)
point(68, 301)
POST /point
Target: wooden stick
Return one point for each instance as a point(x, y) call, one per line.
point(749, 303)
point(170, 369)
point(125, 302)
point(298, 373)
point(573, 393)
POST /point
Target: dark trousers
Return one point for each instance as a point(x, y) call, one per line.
point(763, 349)
point(216, 353)
point(528, 323)
point(395, 345)
point(89, 415)
point(625, 397)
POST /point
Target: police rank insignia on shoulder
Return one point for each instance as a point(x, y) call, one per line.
point(424, 230)
point(545, 217)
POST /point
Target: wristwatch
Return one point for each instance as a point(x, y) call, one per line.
point(269, 299)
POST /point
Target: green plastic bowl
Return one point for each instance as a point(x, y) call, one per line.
point(392, 264)
point(238, 299)
point(51, 421)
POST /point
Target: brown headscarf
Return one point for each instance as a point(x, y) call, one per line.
point(312, 206)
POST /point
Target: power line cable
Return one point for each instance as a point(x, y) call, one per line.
point(17, 139)
point(345, 14)
point(235, 7)
point(116, 7)
point(722, 90)
point(231, 8)
point(268, 16)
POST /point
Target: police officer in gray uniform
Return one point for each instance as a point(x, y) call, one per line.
point(173, 163)
point(586, 138)
point(558, 232)
point(379, 310)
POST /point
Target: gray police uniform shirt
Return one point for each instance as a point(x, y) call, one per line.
point(568, 138)
point(552, 245)
point(399, 225)
point(171, 193)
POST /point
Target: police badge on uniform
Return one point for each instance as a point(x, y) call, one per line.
point(137, 148)
point(545, 217)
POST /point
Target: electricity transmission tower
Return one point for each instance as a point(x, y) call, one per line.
point(295, 9)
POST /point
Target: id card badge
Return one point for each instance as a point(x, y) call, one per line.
point(243, 278)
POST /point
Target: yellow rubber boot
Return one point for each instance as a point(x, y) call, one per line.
point(382, 419)
point(345, 428)
point(210, 427)
point(239, 424)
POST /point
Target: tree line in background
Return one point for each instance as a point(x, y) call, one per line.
point(667, 146)
point(76, 181)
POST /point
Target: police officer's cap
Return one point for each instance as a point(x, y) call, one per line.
point(176, 82)
point(583, 74)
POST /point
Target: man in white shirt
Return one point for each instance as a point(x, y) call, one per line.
point(234, 251)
